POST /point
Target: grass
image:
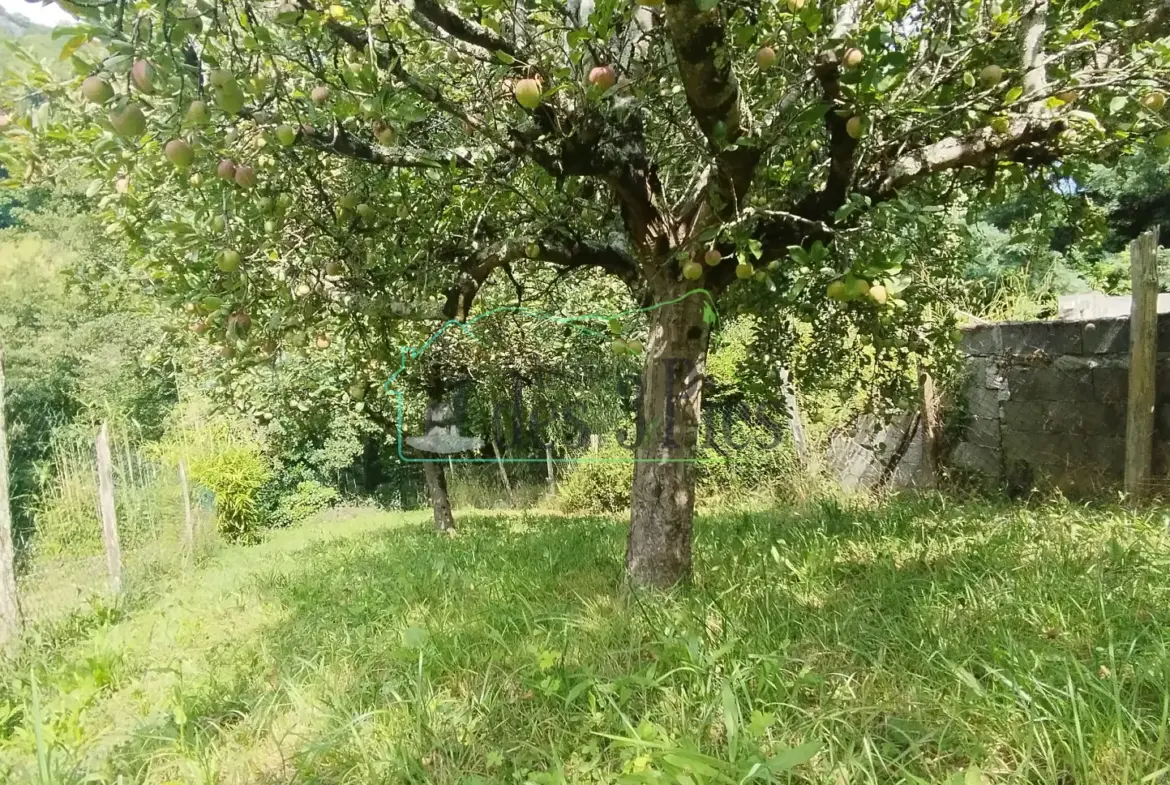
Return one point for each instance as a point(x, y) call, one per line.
point(918, 641)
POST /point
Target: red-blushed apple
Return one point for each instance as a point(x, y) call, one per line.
point(853, 57)
point(320, 94)
point(712, 257)
point(765, 57)
point(142, 76)
point(603, 77)
point(226, 170)
point(245, 176)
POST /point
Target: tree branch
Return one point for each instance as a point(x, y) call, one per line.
point(465, 30)
point(1025, 138)
point(713, 95)
point(1032, 61)
point(842, 146)
point(341, 142)
point(554, 247)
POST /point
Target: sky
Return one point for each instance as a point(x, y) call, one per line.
point(49, 15)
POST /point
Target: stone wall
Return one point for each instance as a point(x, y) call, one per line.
point(1043, 405)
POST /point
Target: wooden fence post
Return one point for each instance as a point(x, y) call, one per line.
point(795, 420)
point(188, 517)
point(1143, 357)
point(931, 426)
point(9, 600)
point(109, 514)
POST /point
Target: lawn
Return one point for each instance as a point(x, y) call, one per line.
point(916, 641)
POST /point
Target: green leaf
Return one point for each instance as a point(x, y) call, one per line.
point(1162, 140)
point(504, 57)
point(968, 79)
point(71, 46)
point(812, 18)
point(1117, 104)
point(706, 5)
point(793, 757)
point(1013, 95)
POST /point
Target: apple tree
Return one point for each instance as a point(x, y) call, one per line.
point(279, 166)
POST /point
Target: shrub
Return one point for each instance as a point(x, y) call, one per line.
point(309, 498)
point(600, 482)
point(235, 474)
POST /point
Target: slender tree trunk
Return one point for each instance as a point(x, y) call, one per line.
point(440, 501)
point(9, 600)
point(438, 414)
point(663, 497)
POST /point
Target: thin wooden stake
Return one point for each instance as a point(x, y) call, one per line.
point(9, 599)
point(931, 427)
point(1143, 357)
point(188, 517)
point(795, 420)
point(109, 514)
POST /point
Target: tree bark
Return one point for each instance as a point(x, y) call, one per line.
point(9, 599)
point(438, 414)
point(663, 499)
point(440, 501)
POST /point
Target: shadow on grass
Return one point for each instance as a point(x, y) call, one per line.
point(911, 640)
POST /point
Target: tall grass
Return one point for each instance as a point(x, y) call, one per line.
point(64, 566)
point(915, 641)
point(147, 497)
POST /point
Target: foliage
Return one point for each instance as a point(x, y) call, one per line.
point(909, 642)
point(599, 482)
point(72, 357)
point(421, 161)
point(235, 473)
point(309, 498)
point(67, 518)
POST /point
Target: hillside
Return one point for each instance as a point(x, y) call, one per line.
point(36, 38)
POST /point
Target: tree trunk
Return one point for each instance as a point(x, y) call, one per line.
point(440, 501)
point(663, 498)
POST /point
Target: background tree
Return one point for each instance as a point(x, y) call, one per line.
point(304, 166)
